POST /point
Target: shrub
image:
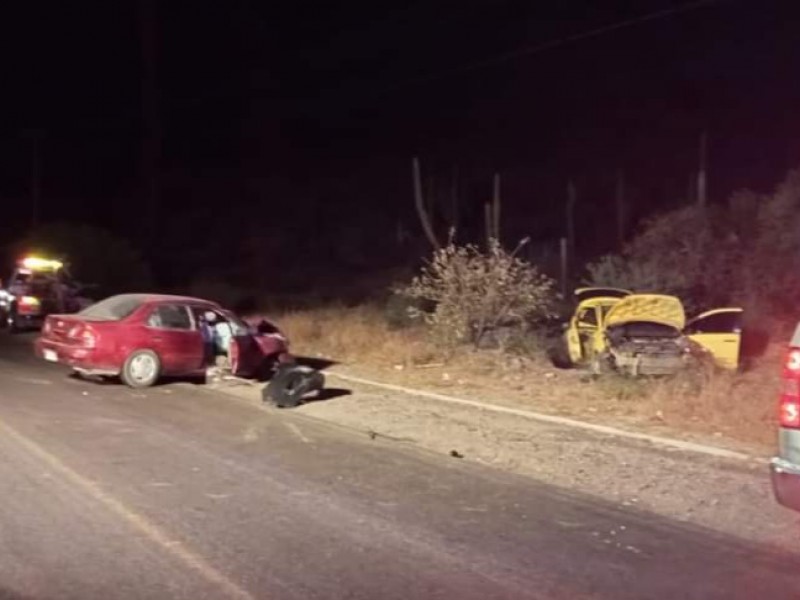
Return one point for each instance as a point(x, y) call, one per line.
point(476, 293)
point(742, 253)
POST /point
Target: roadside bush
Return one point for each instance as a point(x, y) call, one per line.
point(743, 253)
point(478, 293)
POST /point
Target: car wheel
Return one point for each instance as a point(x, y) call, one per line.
point(290, 384)
point(141, 369)
point(12, 321)
point(559, 355)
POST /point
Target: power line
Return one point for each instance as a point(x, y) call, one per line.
point(549, 45)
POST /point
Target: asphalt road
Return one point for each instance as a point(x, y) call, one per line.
point(178, 492)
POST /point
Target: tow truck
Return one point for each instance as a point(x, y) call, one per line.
point(37, 287)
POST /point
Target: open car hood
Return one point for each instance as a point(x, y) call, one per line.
point(651, 308)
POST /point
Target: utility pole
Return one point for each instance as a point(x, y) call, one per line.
point(36, 176)
point(151, 128)
point(620, 206)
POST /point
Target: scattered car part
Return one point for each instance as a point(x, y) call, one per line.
point(290, 384)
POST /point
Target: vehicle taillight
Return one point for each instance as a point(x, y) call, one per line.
point(88, 338)
point(792, 364)
point(29, 301)
point(84, 335)
point(47, 327)
point(789, 415)
point(789, 408)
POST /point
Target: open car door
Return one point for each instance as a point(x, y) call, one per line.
point(718, 331)
point(245, 354)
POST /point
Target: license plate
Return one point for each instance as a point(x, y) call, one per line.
point(51, 355)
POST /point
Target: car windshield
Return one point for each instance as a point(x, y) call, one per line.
point(115, 308)
point(238, 325)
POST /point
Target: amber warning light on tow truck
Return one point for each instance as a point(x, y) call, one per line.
point(34, 263)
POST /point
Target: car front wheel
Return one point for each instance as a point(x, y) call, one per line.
point(141, 369)
point(12, 320)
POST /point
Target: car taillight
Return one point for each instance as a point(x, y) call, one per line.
point(84, 335)
point(88, 338)
point(792, 364)
point(29, 301)
point(789, 414)
point(47, 327)
point(789, 408)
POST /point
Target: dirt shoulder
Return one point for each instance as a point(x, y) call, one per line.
point(727, 495)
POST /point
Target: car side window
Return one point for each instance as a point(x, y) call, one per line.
point(588, 317)
point(729, 322)
point(170, 316)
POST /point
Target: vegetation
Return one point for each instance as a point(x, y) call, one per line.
point(475, 293)
point(742, 253)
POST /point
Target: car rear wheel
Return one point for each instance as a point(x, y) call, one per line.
point(141, 369)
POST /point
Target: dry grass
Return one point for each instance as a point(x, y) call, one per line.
point(708, 403)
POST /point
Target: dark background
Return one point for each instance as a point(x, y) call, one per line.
point(281, 134)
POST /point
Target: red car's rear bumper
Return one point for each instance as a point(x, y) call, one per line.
point(80, 359)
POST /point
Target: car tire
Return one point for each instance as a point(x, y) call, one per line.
point(559, 355)
point(142, 369)
point(290, 384)
point(12, 320)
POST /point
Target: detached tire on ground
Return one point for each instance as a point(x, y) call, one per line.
point(141, 369)
point(290, 384)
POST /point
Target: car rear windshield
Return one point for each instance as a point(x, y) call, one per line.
point(115, 308)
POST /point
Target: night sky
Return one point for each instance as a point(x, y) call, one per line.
point(284, 111)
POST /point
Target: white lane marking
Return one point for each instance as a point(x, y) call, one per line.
point(296, 430)
point(174, 547)
point(565, 421)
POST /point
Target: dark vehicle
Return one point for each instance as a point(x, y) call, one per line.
point(37, 287)
point(142, 337)
point(785, 468)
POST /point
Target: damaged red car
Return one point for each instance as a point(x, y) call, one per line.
point(142, 337)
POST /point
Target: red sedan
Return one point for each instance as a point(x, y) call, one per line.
point(141, 337)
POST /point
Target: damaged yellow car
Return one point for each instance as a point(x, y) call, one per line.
point(647, 334)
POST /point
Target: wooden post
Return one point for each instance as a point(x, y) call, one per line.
point(496, 207)
point(151, 138)
point(620, 205)
point(564, 266)
point(701, 171)
point(36, 176)
point(454, 200)
point(487, 217)
point(572, 199)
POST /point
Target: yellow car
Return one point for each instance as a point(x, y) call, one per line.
point(647, 334)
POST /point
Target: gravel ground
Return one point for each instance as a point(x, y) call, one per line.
point(730, 496)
